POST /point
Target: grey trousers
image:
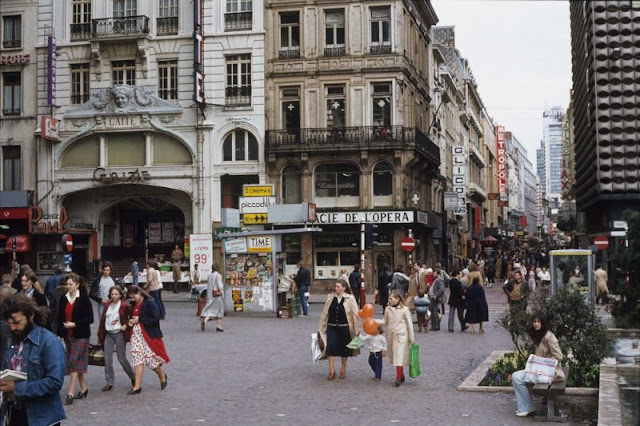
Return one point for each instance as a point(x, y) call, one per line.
point(117, 340)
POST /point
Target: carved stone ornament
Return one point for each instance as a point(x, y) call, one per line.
point(123, 99)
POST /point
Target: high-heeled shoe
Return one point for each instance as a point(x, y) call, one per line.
point(81, 394)
point(343, 374)
point(133, 391)
point(331, 376)
point(68, 400)
point(163, 385)
point(219, 329)
point(202, 324)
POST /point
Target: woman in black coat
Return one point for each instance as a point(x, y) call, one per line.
point(456, 301)
point(477, 308)
point(75, 315)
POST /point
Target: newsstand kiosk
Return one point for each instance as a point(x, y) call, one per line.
point(249, 273)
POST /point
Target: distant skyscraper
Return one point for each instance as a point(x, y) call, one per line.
point(553, 140)
point(541, 167)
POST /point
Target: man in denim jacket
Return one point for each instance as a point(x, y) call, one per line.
point(36, 351)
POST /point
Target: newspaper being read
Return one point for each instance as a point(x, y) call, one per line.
point(539, 369)
point(13, 375)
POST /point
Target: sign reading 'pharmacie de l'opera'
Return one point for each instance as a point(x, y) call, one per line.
point(380, 217)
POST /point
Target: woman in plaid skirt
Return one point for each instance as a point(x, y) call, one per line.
point(75, 315)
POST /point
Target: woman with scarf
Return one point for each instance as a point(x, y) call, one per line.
point(147, 347)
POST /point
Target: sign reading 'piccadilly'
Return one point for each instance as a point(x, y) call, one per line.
point(501, 158)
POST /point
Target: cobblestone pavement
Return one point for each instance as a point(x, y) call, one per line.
point(259, 372)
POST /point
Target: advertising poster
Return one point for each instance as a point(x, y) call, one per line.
point(155, 233)
point(201, 254)
point(250, 276)
point(167, 232)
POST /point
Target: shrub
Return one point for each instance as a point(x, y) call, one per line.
point(500, 373)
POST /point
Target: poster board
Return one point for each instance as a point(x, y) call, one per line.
point(201, 253)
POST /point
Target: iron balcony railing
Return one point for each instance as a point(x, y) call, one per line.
point(237, 95)
point(335, 51)
point(238, 21)
point(118, 27)
point(12, 43)
point(289, 53)
point(81, 31)
point(353, 137)
point(167, 25)
point(380, 49)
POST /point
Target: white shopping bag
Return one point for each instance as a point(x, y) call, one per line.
point(316, 353)
point(539, 369)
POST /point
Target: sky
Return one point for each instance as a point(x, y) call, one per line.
point(520, 56)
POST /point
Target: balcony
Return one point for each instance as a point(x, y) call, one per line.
point(238, 21)
point(335, 51)
point(81, 31)
point(351, 139)
point(125, 27)
point(291, 53)
point(237, 96)
point(167, 26)
point(381, 49)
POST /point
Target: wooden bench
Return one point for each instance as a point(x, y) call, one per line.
point(550, 392)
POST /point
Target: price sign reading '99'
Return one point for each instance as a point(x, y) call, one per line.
point(201, 254)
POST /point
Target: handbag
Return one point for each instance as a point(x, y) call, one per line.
point(216, 293)
point(316, 352)
point(96, 355)
point(540, 369)
point(414, 361)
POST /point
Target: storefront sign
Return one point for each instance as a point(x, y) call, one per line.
point(122, 121)
point(201, 254)
point(501, 159)
point(260, 244)
point(18, 59)
point(379, 217)
point(258, 191)
point(255, 204)
point(459, 177)
point(235, 245)
point(101, 175)
point(49, 128)
point(40, 223)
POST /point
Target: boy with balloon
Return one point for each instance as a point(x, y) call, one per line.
point(374, 341)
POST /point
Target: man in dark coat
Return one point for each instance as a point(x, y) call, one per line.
point(354, 282)
point(303, 281)
point(456, 301)
point(384, 279)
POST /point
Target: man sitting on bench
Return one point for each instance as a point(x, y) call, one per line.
point(547, 346)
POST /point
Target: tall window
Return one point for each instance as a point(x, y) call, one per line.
point(238, 87)
point(168, 80)
point(289, 35)
point(290, 101)
point(382, 179)
point(335, 106)
point(240, 145)
point(291, 185)
point(123, 72)
point(238, 15)
point(11, 169)
point(79, 83)
point(381, 105)
point(11, 93)
point(334, 33)
point(12, 32)
point(380, 30)
point(124, 8)
point(337, 180)
point(167, 21)
point(81, 19)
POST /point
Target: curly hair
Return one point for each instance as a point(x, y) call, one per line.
point(25, 305)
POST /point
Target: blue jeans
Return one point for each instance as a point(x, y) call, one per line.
point(375, 361)
point(524, 402)
point(303, 299)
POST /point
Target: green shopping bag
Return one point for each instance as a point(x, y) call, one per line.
point(414, 361)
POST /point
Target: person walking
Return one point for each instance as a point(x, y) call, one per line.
point(456, 302)
point(416, 285)
point(75, 315)
point(100, 287)
point(421, 303)
point(547, 346)
point(135, 273)
point(176, 258)
point(602, 290)
point(147, 347)
point(399, 326)
point(384, 281)
point(36, 351)
point(399, 282)
point(154, 287)
point(477, 307)
point(214, 309)
point(52, 283)
point(30, 287)
point(114, 331)
point(377, 347)
point(303, 282)
point(339, 323)
point(436, 296)
point(516, 290)
point(355, 282)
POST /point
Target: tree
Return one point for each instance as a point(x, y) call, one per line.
point(626, 307)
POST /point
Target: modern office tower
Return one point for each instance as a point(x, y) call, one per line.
point(553, 140)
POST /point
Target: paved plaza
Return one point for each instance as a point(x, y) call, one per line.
point(259, 372)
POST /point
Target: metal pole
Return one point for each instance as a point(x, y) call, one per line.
point(411, 252)
point(362, 289)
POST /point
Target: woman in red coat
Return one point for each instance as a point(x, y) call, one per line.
point(113, 331)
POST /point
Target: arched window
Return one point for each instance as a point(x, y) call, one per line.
point(82, 153)
point(240, 145)
point(382, 184)
point(337, 180)
point(291, 185)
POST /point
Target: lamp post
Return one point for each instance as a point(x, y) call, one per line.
point(443, 225)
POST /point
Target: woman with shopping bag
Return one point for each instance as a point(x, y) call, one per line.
point(399, 326)
point(547, 346)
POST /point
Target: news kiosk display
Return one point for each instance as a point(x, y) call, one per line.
point(572, 269)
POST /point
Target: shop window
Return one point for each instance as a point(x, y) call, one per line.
point(80, 20)
point(337, 185)
point(382, 184)
point(291, 190)
point(329, 263)
point(168, 80)
point(12, 32)
point(380, 30)
point(82, 153)
point(79, 83)
point(11, 93)
point(289, 35)
point(381, 106)
point(167, 150)
point(11, 168)
point(124, 8)
point(334, 33)
point(123, 72)
point(238, 85)
point(240, 145)
point(126, 149)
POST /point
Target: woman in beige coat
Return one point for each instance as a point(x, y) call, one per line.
point(339, 323)
point(399, 326)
